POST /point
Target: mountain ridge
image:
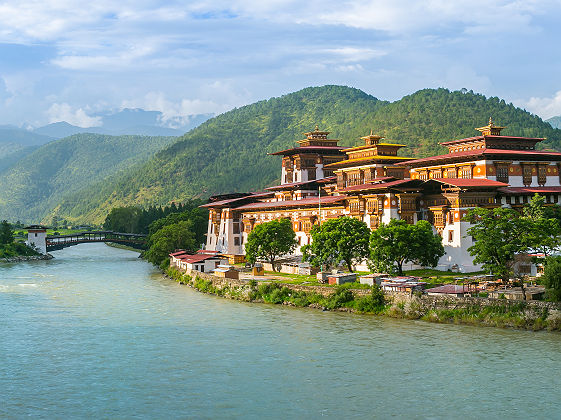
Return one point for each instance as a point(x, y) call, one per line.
point(228, 153)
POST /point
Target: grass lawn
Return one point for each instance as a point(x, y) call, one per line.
point(311, 280)
point(427, 275)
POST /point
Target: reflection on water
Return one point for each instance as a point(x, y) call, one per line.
point(96, 332)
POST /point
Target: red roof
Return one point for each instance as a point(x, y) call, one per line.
point(530, 190)
point(174, 254)
point(471, 182)
point(190, 259)
point(532, 139)
point(378, 186)
point(314, 201)
point(483, 153)
point(237, 199)
point(310, 149)
point(297, 184)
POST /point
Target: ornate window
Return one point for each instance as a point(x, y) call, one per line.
point(465, 172)
point(527, 174)
point(452, 173)
point(542, 174)
point(502, 173)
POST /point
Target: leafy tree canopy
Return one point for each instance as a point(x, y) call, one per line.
point(270, 240)
point(344, 239)
point(544, 229)
point(552, 278)
point(169, 238)
point(398, 242)
point(6, 233)
point(499, 234)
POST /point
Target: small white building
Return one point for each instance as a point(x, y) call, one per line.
point(204, 263)
point(37, 238)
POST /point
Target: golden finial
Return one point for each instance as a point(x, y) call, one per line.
point(371, 132)
point(490, 129)
point(317, 127)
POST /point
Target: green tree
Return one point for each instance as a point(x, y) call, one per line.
point(552, 278)
point(123, 219)
point(270, 240)
point(342, 239)
point(398, 242)
point(168, 239)
point(6, 233)
point(544, 230)
point(499, 234)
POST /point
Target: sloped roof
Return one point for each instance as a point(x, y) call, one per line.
point(469, 182)
point(313, 201)
point(530, 190)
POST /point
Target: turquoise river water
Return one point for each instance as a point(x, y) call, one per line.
point(98, 333)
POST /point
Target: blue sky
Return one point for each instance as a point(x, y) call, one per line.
point(68, 60)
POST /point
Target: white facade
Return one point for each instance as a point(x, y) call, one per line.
point(37, 238)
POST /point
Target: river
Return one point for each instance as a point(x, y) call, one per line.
point(98, 333)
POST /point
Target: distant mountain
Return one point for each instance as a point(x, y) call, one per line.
point(125, 122)
point(36, 184)
point(228, 153)
point(15, 143)
point(10, 134)
point(59, 130)
point(555, 121)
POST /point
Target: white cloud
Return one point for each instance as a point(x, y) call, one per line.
point(544, 107)
point(354, 54)
point(174, 113)
point(64, 112)
point(103, 62)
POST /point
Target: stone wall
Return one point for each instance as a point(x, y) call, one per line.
point(451, 302)
point(423, 303)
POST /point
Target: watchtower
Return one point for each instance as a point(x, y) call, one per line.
point(37, 238)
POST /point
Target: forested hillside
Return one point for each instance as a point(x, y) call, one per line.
point(229, 152)
point(37, 183)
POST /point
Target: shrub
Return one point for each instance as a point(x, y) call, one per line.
point(339, 298)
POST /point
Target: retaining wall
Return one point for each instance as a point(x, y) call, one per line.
point(424, 303)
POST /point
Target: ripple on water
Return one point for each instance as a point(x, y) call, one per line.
point(107, 336)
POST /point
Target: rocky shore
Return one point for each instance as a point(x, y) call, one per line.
point(528, 315)
point(22, 258)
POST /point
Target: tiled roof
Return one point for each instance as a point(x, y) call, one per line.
point(368, 146)
point(483, 153)
point(299, 184)
point(530, 190)
point(314, 201)
point(367, 159)
point(379, 186)
point(237, 199)
point(471, 182)
point(175, 254)
point(190, 259)
point(507, 138)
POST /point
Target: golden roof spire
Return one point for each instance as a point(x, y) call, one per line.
point(490, 129)
point(371, 139)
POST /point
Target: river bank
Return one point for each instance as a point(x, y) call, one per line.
point(22, 258)
point(528, 315)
